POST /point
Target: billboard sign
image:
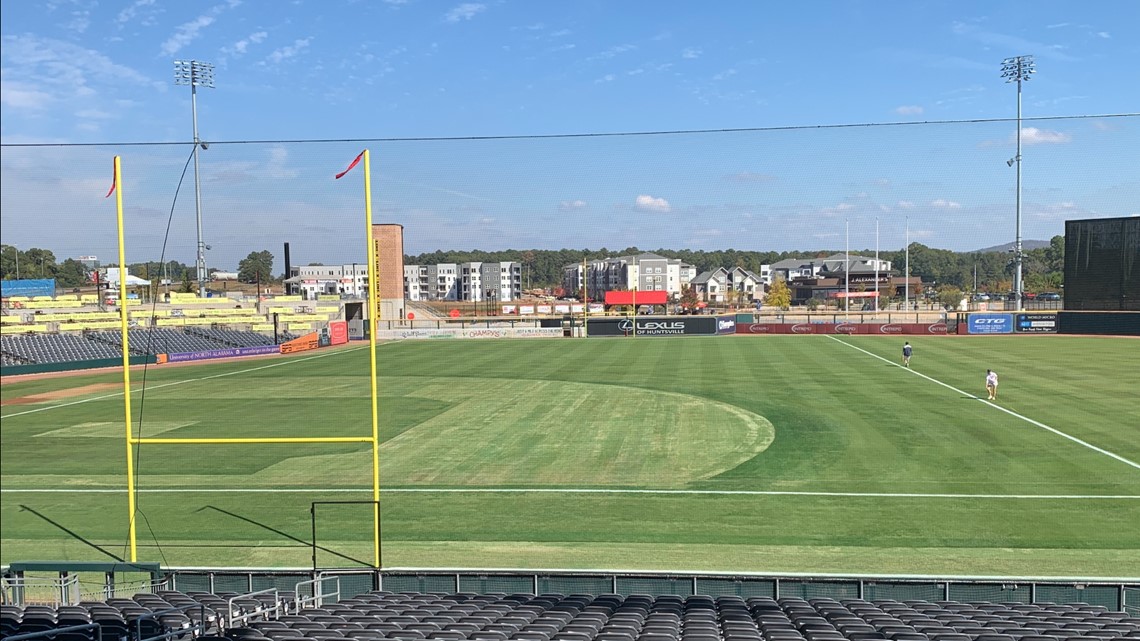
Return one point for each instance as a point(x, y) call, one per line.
point(655, 326)
point(726, 325)
point(990, 324)
point(1036, 323)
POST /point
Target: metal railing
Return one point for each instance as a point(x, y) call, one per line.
point(40, 591)
point(1113, 592)
point(48, 634)
point(317, 598)
point(260, 611)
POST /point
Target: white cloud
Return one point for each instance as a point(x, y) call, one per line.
point(649, 203)
point(241, 46)
point(571, 205)
point(17, 95)
point(129, 13)
point(942, 203)
point(612, 52)
point(38, 72)
point(1034, 136)
point(905, 204)
point(185, 34)
point(691, 53)
point(284, 53)
point(609, 77)
point(1104, 34)
point(724, 75)
point(909, 110)
point(465, 11)
point(752, 177)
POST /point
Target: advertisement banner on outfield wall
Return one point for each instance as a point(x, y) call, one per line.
point(303, 344)
point(1038, 323)
point(726, 325)
point(990, 324)
point(879, 329)
point(338, 332)
point(654, 326)
point(183, 357)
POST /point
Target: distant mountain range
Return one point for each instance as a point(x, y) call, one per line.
point(1025, 245)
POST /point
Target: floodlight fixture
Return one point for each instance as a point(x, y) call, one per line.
point(1018, 69)
point(196, 74)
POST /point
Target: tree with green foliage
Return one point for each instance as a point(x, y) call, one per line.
point(779, 295)
point(258, 266)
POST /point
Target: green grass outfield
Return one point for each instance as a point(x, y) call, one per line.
point(773, 453)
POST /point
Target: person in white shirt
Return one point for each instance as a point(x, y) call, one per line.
point(991, 384)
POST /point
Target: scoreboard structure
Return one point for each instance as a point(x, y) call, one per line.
point(1102, 264)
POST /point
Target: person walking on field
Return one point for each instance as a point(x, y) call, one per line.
point(991, 384)
point(906, 354)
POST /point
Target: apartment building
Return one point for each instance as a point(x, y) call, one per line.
point(646, 272)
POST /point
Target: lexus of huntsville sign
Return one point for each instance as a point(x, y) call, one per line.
point(661, 326)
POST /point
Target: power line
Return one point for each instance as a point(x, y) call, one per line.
point(616, 134)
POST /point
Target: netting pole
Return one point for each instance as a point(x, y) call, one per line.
point(118, 187)
point(375, 314)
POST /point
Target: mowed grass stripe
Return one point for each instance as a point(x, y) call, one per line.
point(841, 425)
point(999, 408)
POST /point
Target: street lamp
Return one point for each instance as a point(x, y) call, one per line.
point(196, 74)
point(1018, 69)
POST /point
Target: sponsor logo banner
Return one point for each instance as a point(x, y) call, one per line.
point(481, 332)
point(841, 328)
point(222, 353)
point(656, 326)
point(990, 324)
point(338, 332)
point(1036, 323)
point(302, 344)
point(726, 325)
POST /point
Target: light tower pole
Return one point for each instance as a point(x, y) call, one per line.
point(1018, 69)
point(196, 74)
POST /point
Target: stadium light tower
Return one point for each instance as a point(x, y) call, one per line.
point(1018, 69)
point(196, 74)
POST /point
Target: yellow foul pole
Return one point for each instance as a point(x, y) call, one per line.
point(118, 187)
point(373, 317)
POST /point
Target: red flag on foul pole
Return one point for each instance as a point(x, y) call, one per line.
point(113, 185)
point(350, 166)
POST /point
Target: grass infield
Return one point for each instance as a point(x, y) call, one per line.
point(774, 453)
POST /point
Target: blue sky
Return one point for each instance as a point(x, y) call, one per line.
point(88, 71)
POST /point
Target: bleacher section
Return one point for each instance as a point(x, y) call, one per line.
point(55, 348)
point(496, 616)
point(231, 338)
point(25, 349)
point(157, 340)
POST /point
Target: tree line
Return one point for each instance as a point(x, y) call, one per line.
point(1043, 268)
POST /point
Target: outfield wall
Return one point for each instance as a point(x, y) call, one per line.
point(43, 368)
point(473, 332)
point(841, 328)
point(1100, 323)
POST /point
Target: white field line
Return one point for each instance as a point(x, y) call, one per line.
point(182, 382)
point(454, 490)
point(997, 407)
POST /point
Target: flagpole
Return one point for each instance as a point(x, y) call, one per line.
point(876, 266)
point(118, 187)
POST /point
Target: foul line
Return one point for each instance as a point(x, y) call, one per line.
point(453, 490)
point(995, 406)
point(182, 382)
